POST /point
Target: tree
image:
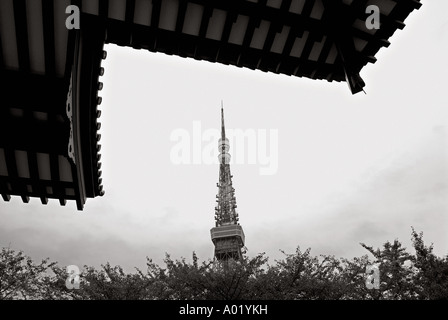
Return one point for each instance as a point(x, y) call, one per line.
point(299, 275)
point(396, 272)
point(353, 276)
point(20, 278)
point(431, 280)
point(215, 280)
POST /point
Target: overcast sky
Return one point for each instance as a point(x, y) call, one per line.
point(344, 169)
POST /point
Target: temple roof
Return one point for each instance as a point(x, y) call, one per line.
point(49, 129)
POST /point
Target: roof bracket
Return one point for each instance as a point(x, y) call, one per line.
point(340, 31)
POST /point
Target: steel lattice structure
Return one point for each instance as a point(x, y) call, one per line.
point(227, 235)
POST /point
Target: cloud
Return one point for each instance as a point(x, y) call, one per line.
point(412, 191)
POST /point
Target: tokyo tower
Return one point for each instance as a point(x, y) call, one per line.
point(227, 235)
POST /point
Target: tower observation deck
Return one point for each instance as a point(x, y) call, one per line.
point(227, 235)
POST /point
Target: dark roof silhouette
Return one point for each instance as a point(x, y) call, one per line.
point(49, 140)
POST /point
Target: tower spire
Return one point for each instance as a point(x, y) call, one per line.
point(228, 235)
point(223, 129)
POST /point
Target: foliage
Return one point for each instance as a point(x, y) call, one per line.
point(299, 275)
point(20, 278)
point(431, 281)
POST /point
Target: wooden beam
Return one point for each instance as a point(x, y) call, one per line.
point(34, 174)
point(28, 134)
point(130, 9)
point(17, 188)
point(104, 9)
point(2, 63)
point(155, 14)
point(179, 47)
point(22, 34)
point(254, 22)
point(205, 21)
point(43, 184)
point(228, 24)
point(251, 57)
point(201, 51)
point(33, 92)
point(48, 25)
point(304, 68)
point(34, 180)
point(181, 16)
